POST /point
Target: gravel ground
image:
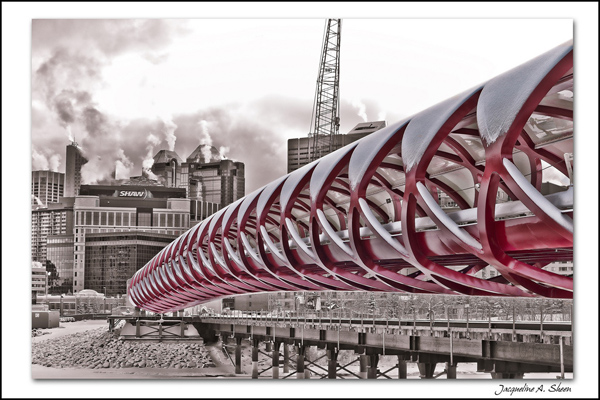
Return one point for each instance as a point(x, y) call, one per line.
point(85, 349)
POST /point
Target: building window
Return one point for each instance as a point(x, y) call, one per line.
point(144, 219)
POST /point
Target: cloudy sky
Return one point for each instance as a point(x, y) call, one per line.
point(124, 88)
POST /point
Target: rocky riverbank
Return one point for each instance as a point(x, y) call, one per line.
point(98, 348)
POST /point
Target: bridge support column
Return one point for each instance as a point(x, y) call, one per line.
point(275, 360)
point(286, 358)
point(364, 366)
point(137, 328)
point(268, 346)
point(426, 370)
point(332, 355)
point(450, 371)
point(300, 362)
point(373, 361)
point(402, 374)
point(238, 355)
point(254, 359)
point(485, 366)
point(507, 375)
point(306, 370)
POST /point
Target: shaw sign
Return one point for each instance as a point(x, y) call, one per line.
point(140, 194)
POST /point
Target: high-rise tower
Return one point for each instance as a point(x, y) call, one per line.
point(46, 187)
point(167, 168)
point(75, 160)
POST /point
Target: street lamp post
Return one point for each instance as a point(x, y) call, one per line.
point(104, 307)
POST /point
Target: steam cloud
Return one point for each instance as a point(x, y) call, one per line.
point(43, 162)
point(64, 81)
point(205, 140)
point(362, 109)
point(149, 160)
point(68, 59)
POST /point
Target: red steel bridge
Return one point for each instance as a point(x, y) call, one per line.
point(368, 216)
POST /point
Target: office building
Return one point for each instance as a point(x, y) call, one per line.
point(249, 302)
point(55, 219)
point(200, 210)
point(560, 267)
point(156, 211)
point(39, 280)
point(112, 258)
point(210, 182)
point(167, 168)
point(59, 259)
point(46, 187)
point(75, 160)
point(301, 149)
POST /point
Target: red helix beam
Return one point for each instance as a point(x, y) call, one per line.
point(368, 216)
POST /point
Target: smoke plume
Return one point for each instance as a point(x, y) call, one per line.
point(43, 162)
point(169, 132)
point(68, 58)
point(205, 140)
point(224, 151)
point(149, 160)
point(362, 109)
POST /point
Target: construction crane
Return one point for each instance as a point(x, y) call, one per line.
point(325, 121)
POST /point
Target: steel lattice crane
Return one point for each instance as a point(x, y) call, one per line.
point(326, 106)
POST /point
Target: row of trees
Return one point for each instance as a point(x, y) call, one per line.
point(420, 306)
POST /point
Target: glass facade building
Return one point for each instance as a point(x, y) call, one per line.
point(60, 263)
point(56, 219)
point(209, 179)
point(122, 210)
point(112, 258)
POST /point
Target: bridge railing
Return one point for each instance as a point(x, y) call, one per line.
point(347, 320)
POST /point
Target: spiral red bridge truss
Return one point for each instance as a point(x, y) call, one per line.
point(368, 216)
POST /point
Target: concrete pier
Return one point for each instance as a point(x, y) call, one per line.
point(255, 359)
point(300, 362)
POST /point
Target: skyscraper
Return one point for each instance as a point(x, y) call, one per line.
point(56, 219)
point(46, 187)
point(75, 160)
point(167, 168)
point(119, 220)
point(210, 181)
